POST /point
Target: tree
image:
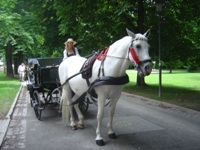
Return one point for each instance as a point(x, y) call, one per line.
point(42, 26)
point(140, 80)
point(7, 20)
point(97, 23)
point(16, 34)
point(179, 32)
point(9, 68)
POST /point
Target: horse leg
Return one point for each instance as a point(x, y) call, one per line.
point(80, 124)
point(111, 133)
point(101, 103)
point(72, 119)
point(67, 109)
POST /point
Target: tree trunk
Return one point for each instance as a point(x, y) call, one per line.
point(9, 68)
point(140, 80)
point(170, 70)
point(17, 60)
point(16, 64)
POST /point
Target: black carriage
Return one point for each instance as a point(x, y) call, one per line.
point(43, 83)
point(44, 86)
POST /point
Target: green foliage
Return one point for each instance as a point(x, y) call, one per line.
point(98, 24)
point(38, 28)
point(56, 54)
point(183, 41)
point(193, 64)
point(20, 27)
point(94, 24)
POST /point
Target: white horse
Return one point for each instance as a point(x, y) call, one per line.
point(132, 49)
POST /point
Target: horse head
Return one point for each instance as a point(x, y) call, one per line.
point(139, 53)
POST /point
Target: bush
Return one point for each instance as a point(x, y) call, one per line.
point(192, 68)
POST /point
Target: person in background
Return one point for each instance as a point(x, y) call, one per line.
point(70, 49)
point(21, 71)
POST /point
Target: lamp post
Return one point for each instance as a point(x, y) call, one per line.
point(159, 5)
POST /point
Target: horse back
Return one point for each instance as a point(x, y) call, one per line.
point(69, 67)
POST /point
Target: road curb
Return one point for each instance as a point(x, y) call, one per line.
point(5, 123)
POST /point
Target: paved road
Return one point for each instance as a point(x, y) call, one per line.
point(141, 124)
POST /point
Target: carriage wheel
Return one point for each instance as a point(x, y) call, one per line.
point(84, 105)
point(30, 88)
point(56, 96)
point(31, 102)
point(37, 104)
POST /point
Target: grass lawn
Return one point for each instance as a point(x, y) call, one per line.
point(8, 90)
point(179, 87)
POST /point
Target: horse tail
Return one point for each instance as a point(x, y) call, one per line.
point(66, 101)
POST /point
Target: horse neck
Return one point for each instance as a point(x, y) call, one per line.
point(117, 57)
point(114, 67)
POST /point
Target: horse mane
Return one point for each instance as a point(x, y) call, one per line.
point(126, 40)
point(140, 37)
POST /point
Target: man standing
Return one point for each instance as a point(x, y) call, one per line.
point(21, 70)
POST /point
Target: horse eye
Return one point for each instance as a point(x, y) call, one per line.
point(138, 46)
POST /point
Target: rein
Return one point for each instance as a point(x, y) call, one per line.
point(118, 57)
point(106, 80)
point(103, 54)
point(69, 79)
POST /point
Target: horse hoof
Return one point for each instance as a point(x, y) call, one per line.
point(80, 126)
point(112, 136)
point(100, 142)
point(74, 127)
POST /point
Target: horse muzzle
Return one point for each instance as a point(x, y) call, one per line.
point(144, 67)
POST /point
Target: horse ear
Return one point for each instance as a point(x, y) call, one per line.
point(130, 33)
point(147, 33)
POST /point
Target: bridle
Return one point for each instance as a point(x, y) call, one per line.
point(137, 61)
point(131, 51)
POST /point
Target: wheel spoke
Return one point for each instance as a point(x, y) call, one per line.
point(36, 105)
point(83, 105)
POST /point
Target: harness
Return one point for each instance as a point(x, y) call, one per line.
point(86, 72)
point(86, 69)
point(101, 80)
point(104, 80)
